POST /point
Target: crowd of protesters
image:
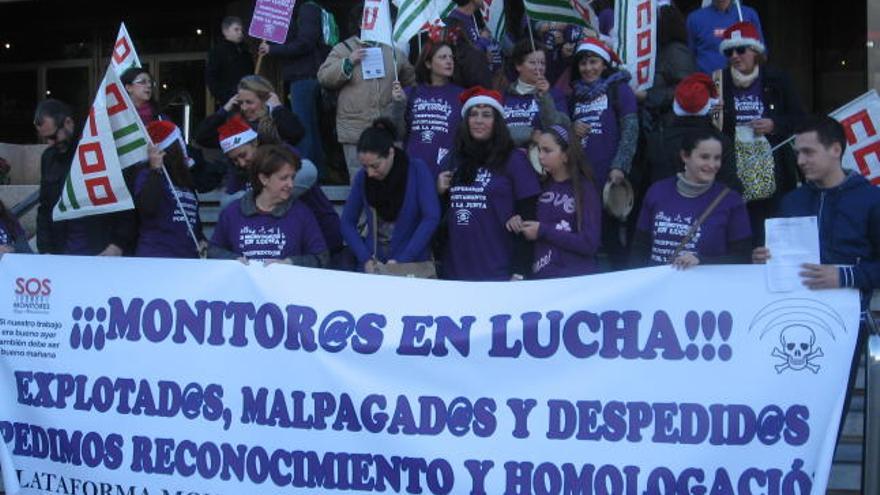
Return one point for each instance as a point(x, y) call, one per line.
point(486, 160)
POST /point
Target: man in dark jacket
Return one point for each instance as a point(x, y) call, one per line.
point(301, 55)
point(110, 234)
point(228, 61)
point(472, 58)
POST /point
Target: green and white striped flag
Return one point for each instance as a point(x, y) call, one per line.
point(413, 16)
point(553, 11)
point(113, 138)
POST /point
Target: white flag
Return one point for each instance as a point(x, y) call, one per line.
point(493, 15)
point(636, 40)
point(124, 55)
point(113, 138)
point(414, 16)
point(861, 122)
point(376, 22)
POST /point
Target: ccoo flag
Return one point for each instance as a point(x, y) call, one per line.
point(124, 55)
point(113, 138)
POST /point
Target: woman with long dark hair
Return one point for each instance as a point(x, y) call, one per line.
point(397, 193)
point(568, 226)
point(491, 190)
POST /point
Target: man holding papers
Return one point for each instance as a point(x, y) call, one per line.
point(847, 207)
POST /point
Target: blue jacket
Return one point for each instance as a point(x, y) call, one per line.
point(849, 227)
point(418, 218)
point(705, 26)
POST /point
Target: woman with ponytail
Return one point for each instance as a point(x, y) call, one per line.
point(397, 193)
point(567, 231)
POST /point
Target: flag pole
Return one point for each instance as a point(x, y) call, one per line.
point(391, 40)
point(531, 34)
point(739, 10)
point(189, 228)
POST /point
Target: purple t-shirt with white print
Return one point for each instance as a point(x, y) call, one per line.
point(480, 247)
point(165, 234)
point(667, 216)
point(263, 236)
point(600, 144)
point(523, 110)
point(433, 114)
point(564, 248)
point(747, 102)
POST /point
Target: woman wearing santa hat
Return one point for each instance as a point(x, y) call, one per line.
point(491, 189)
point(168, 213)
point(761, 109)
point(603, 115)
point(267, 224)
point(692, 219)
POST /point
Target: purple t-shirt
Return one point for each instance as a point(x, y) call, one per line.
point(747, 102)
point(564, 248)
point(600, 144)
point(523, 110)
point(433, 114)
point(480, 247)
point(8, 238)
point(263, 236)
point(667, 216)
point(165, 234)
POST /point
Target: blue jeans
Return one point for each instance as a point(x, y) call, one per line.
point(304, 103)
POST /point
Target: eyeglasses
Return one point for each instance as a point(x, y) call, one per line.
point(144, 82)
point(739, 51)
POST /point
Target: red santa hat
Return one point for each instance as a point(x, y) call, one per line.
point(479, 95)
point(234, 133)
point(742, 34)
point(695, 95)
point(164, 133)
point(598, 47)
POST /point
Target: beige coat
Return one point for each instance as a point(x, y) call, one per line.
point(361, 101)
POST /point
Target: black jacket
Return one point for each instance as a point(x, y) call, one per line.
point(101, 230)
point(471, 64)
point(782, 104)
point(664, 151)
point(304, 50)
point(288, 125)
point(227, 63)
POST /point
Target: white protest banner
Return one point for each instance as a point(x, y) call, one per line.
point(376, 22)
point(124, 55)
point(113, 138)
point(861, 119)
point(636, 35)
point(271, 20)
point(414, 16)
point(179, 376)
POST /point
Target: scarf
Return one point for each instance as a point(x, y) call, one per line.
point(386, 195)
point(146, 113)
point(741, 80)
point(585, 91)
point(690, 189)
point(521, 88)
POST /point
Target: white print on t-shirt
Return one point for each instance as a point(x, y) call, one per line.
point(563, 226)
point(430, 116)
point(463, 217)
point(542, 262)
point(441, 153)
point(673, 229)
point(190, 206)
point(273, 238)
point(749, 105)
point(466, 198)
point(590, 112)
point(522, 111)
point(557, 200)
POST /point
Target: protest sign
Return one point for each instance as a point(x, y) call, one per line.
point(861, 119)
point(113, 138)
point(178, 376)
point(636, 34)
point(124, 55)
point(271, 20)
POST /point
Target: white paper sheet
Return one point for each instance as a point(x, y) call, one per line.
point(792, 242)
point(373, 63)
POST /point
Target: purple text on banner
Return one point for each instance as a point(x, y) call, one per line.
point(271, 20)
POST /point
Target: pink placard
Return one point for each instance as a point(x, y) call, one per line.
point(271, 20)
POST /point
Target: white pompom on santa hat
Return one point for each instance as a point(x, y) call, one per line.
point(695, 95)
point(598, 47)
point(742, 34)
point(164, 133)
point(479, 95)
point(234, 133)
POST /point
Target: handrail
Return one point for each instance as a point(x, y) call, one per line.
point(27, 204)
point(871, 450)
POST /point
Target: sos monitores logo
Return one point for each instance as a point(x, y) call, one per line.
point(31, 295)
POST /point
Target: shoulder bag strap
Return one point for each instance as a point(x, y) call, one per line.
point(693, 230)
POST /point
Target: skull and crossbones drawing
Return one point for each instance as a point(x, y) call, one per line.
point(797, 349)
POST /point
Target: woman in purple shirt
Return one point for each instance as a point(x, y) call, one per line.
point(665, 232)
point(491, 189)
point(168, 214)
point(267, 224)
point(429, 113)
point(398, 194)
point(529, 102)
point(567, 229)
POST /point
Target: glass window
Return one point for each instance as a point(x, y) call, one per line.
point(180, 82)
point(18, 100)
point(71, 85)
